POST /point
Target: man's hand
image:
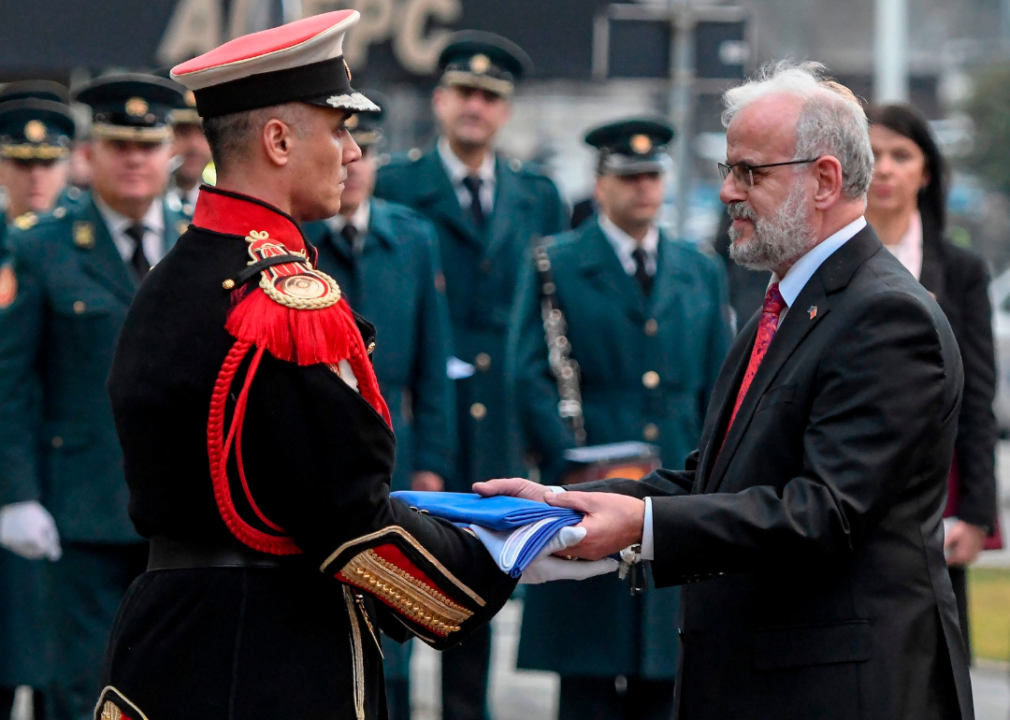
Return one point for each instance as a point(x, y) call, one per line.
point(515, 487)
point(963, 543)
point(612, 522)
point(27, 529)
point(426, 481)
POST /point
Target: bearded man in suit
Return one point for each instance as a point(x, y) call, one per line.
point(807, 526)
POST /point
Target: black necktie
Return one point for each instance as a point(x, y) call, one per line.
point(643, 277)
point(138, 261)
point(350, 235)
point(472, 184)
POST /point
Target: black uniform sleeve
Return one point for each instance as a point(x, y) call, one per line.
point(315, 465)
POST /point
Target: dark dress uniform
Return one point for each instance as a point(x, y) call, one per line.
point(392, 276)
point(284, 623)
point(648, 377)
point(57, 340)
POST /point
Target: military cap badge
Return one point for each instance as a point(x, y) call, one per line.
point(641, 143)
point(35, 131)
point(136, 106)
point(480, 63)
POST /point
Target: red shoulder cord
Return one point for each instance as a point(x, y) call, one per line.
point(280, 325)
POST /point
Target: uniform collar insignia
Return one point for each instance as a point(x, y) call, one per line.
point(231, 213)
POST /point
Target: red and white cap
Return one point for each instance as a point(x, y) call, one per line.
point(302, 61)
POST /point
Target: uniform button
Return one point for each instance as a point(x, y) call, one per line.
point(485, 265)
point(478, 411)
point(79, 307)
point(651, 379)
point(483, 362)
point(651, 327)
point(57, 442)
point(651, 432)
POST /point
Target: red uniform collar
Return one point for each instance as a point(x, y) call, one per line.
point(232, 213)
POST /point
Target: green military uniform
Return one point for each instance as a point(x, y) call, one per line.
point(57, 341)
point(482, 244)
point(35, 127)
point(394, 280)
point(648, 359)
point(480, 277)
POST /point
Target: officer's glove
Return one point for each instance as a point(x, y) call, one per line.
point(547, 568)
point(27, 529)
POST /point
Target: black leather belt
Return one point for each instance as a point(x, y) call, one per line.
point(171, 554)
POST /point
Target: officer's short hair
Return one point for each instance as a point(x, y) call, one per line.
point(229, 136)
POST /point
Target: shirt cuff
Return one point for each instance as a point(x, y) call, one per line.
point(648, 538)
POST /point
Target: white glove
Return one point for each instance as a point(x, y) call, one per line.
point(27, 529)
point(547, 568)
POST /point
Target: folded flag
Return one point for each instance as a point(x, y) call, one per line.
point(521, 528)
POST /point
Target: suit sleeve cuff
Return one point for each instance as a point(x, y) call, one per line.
point(648, 537)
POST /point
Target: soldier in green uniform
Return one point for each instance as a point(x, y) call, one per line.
point(74, 274)
point(646, 324)
point(36, 128)
point(192, 154)
point(384, 257)
point(488, 211)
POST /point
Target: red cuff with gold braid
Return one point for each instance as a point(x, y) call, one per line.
point(379, 565)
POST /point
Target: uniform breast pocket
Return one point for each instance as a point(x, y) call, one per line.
point(90, 321)
point(781, 395)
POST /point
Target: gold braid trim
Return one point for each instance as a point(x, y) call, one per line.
point(397, 530)
point(131, 133)
point(408, 595)
point(357, 656)
point(34, 152)
point(481, 82)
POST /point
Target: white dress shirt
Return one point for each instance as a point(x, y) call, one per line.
point(909, 248)
point(624, 245)
point(790, 287)
point(457, 170)
point(359, 219)
point(154, 230)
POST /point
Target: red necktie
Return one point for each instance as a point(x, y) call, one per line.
point(774, 305)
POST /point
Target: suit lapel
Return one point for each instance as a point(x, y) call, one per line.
point(670, 280)
point(809, 309)
point(509, 202)
point(724, 397)
point(600, 264)
point(102, 260)
point(440, 199)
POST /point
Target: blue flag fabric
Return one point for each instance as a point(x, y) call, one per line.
point(525, 526)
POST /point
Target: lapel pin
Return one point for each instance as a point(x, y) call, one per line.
point(812, 311)
point(84, 235)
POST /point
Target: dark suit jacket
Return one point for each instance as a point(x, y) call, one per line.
point(817, 526)
point(959, 280)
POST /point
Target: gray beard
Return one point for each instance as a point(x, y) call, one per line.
point(778, 240)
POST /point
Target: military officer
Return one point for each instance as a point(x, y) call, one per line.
point(36, 128)
point(192, 154)
point(488, 211)
point(258, 447)
point(646, 324)
point(74, 273)
point(384, 257)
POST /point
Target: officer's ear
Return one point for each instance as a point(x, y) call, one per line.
point(275, 139)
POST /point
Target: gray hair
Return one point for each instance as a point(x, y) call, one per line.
point(832, 121)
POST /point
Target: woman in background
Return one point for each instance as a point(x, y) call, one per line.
point(906, 206)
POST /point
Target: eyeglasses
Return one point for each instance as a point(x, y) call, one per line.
point(744, 173)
